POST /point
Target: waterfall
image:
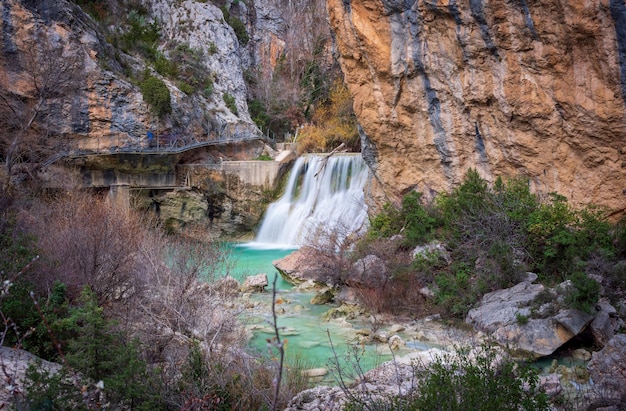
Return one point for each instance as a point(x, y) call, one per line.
point(324, 195)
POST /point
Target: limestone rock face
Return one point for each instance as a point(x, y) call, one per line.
point(508, 88)
point(106, 108)
point(15, 364)
point(200, 25)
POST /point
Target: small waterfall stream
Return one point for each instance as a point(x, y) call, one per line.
point(322, 194)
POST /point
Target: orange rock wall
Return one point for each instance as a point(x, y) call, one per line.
point(522, 87)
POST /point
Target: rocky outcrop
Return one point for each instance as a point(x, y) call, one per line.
point(201, 26)
point(106, 107)
point(368, 272)
point(391, 379)
point(509, 316)
point(508, 88)
point(607, 370)
point(254, 283)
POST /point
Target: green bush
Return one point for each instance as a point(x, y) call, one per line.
point(386, 223)
point(229, 100)
point(259, 114)
point(464, 382)
point(185, 87)
point(482, 382)
point(455, 290)
point(164, 66)
point(585, 294)
point(99, 352)
point(496, 233)
point(413, 219)
point(157, 95)
point(470, 198)
point(237, 25)
point(561, 238)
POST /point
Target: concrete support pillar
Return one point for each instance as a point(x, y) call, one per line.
point(119, 194)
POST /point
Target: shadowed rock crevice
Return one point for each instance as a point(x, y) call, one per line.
point(8, 44)
point(618, 12)
point(528, 19)
point(478, 13)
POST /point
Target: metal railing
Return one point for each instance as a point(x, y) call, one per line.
point(164, 144)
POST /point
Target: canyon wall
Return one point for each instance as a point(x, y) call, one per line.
point(105, 101)
point(518, 87)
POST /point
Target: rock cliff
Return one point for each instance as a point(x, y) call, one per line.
point(522, 87)
point(106, 103)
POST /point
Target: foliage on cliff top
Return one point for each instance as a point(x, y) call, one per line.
point(332, 124)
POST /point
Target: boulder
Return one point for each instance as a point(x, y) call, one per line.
point(307, 263)
point(551, 384)
point(499, 315)
point(315, 372)
point(607, 370)
point(348, 295)
point(502, 307)
point(14, 363)
point(605, 323)
point(368, 272)
point(254, 283)
point(434, 250)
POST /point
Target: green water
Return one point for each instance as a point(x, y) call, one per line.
point(310, 338)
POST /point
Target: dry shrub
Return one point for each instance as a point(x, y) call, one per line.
point(333, 123)
point(85, 241)
point(400, 294)
point(152, 285)
point(178, 309)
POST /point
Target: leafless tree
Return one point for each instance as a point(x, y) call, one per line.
point(47, 68)
point(302, 70)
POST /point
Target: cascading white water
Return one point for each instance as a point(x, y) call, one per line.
point(323, 195)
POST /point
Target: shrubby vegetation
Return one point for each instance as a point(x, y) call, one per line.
point(157, 95)
point(287, 95)
point(494, 234)
point(467, 381)
point(229, 100)
point(237, 25)
point(124, 309)
point(332, 123)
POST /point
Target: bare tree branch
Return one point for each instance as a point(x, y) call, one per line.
point(53, 69)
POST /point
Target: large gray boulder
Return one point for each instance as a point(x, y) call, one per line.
point(605, 323)
point(368, 272)
point(506, 316)
point(308, 263)
point(254, 283)
point(396, 377)
point(607, 370)
point(14, 364)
